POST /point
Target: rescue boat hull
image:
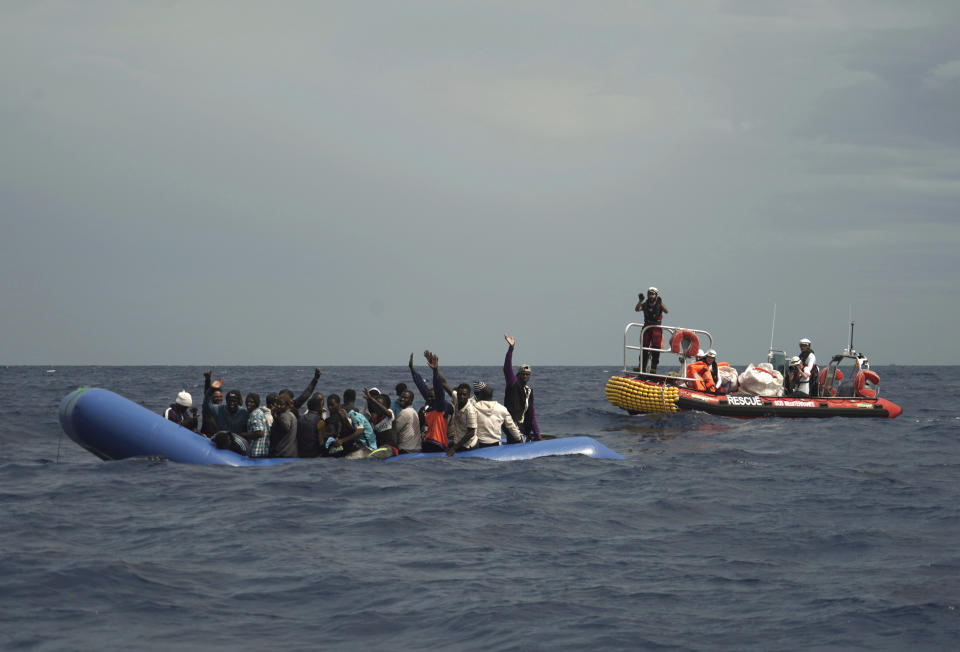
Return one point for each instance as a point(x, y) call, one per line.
point(781, 406)
point(638, 396)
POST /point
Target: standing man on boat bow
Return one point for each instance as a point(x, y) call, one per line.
point(652, 308)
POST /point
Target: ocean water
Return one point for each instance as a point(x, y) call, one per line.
point(712, 534)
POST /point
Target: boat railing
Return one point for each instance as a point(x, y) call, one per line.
point(778, 358)
point(667, 334)
point(843, 387)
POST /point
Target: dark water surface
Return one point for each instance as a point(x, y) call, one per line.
point(713, 533)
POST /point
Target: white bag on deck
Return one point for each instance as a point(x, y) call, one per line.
point(762, 380)
point(729, 379)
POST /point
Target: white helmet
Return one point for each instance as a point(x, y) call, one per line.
point(712, 353)
point(700, 353)
point(795, 361)
point(805, 341)
point(653, 289)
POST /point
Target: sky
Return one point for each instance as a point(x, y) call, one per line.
point(340, 183)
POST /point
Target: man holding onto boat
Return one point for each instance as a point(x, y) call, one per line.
point(653, 309)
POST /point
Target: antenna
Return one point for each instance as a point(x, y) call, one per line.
point(774, 325)
point(850, 348)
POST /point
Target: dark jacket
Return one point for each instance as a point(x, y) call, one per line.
point(308, 444)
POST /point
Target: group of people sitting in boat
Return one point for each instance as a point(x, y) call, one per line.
point(317, 425)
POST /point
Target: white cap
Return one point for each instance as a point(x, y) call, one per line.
point(184, 399)
point(805, 341)
point(712, 353)
point(653, 289)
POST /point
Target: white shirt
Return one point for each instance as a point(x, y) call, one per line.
point(491, 417)
point(807, 370)
point(461, 421)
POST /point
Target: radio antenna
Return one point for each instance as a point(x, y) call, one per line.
point(774, 325)
point(850, 348)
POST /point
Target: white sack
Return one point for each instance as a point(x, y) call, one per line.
point(762, 380)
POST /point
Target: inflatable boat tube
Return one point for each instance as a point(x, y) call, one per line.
point(512, 452)
point(115, 428)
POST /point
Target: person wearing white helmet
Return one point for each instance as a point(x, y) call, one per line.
point(810, 372)
point(182, 412)
point(794, 376)
point(653, 310)
point(704, 372)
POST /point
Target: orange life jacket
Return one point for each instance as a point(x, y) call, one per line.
point(702, 376)
point(436, 427)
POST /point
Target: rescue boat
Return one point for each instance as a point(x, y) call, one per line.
point(847, 386)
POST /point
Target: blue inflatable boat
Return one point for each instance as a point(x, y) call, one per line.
point(114, 428)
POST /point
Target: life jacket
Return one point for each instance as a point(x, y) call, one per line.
point(517, 400)
point(436, 421)
point(703, 376)
point(652, 313)
point(310, 433)
point(814, 373)
point(175, 415)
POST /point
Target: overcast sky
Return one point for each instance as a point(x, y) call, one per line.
point(316, 183)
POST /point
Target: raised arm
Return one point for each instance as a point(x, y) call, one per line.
point(373, 403)
point(208, 406)
point(418, 379)
point(508, 374)
point(438, 382)
point(308, 392)
point(443, 381)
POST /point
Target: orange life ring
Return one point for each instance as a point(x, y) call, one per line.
point(836, 380)
point(685, 343)
point(861, 379)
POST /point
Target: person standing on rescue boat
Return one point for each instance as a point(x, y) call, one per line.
point(653, 309)
point(809, 375)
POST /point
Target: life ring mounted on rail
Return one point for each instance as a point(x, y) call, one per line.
point(861, 379)
point(685, 343)
point(836, 380)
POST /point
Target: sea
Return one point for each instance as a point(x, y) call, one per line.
point(712, 533)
